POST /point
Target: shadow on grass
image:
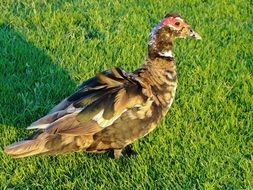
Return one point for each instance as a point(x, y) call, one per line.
point(30, 83)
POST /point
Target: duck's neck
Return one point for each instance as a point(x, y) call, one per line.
point(159, 71)
point(160, 44)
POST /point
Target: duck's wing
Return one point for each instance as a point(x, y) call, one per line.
point(101, 107)
point(108, 94)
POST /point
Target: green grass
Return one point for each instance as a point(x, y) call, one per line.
point(49, 47)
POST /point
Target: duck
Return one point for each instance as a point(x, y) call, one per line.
point(111, 110)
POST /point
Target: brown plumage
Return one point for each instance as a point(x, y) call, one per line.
point(114, 108)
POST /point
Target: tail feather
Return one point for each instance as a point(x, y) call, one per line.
point(25, 148)
point(50, 145)
point(66, 134)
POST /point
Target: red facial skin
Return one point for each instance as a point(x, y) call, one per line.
point(169, 21)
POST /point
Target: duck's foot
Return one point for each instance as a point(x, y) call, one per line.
point(126, 152)
point(129, 152)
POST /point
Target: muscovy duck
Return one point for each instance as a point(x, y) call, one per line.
point(114, 108)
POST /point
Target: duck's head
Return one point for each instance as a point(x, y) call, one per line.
point(171, 27)
point(174, 26)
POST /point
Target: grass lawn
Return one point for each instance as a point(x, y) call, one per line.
point(48, 47)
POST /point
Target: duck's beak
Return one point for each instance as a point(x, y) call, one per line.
point(194, 35)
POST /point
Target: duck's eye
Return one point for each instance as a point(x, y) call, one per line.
point(177, 23)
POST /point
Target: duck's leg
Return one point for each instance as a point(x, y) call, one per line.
point(126, 152)
point(117, 153)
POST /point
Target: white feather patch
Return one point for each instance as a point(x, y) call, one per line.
point(98, 117)
point(105, 122)
point(70, 110)
point(166, 53)
point(172, 27)
point(179, 18)
point(169, 75)
point(42, 126)
point(173, 96)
